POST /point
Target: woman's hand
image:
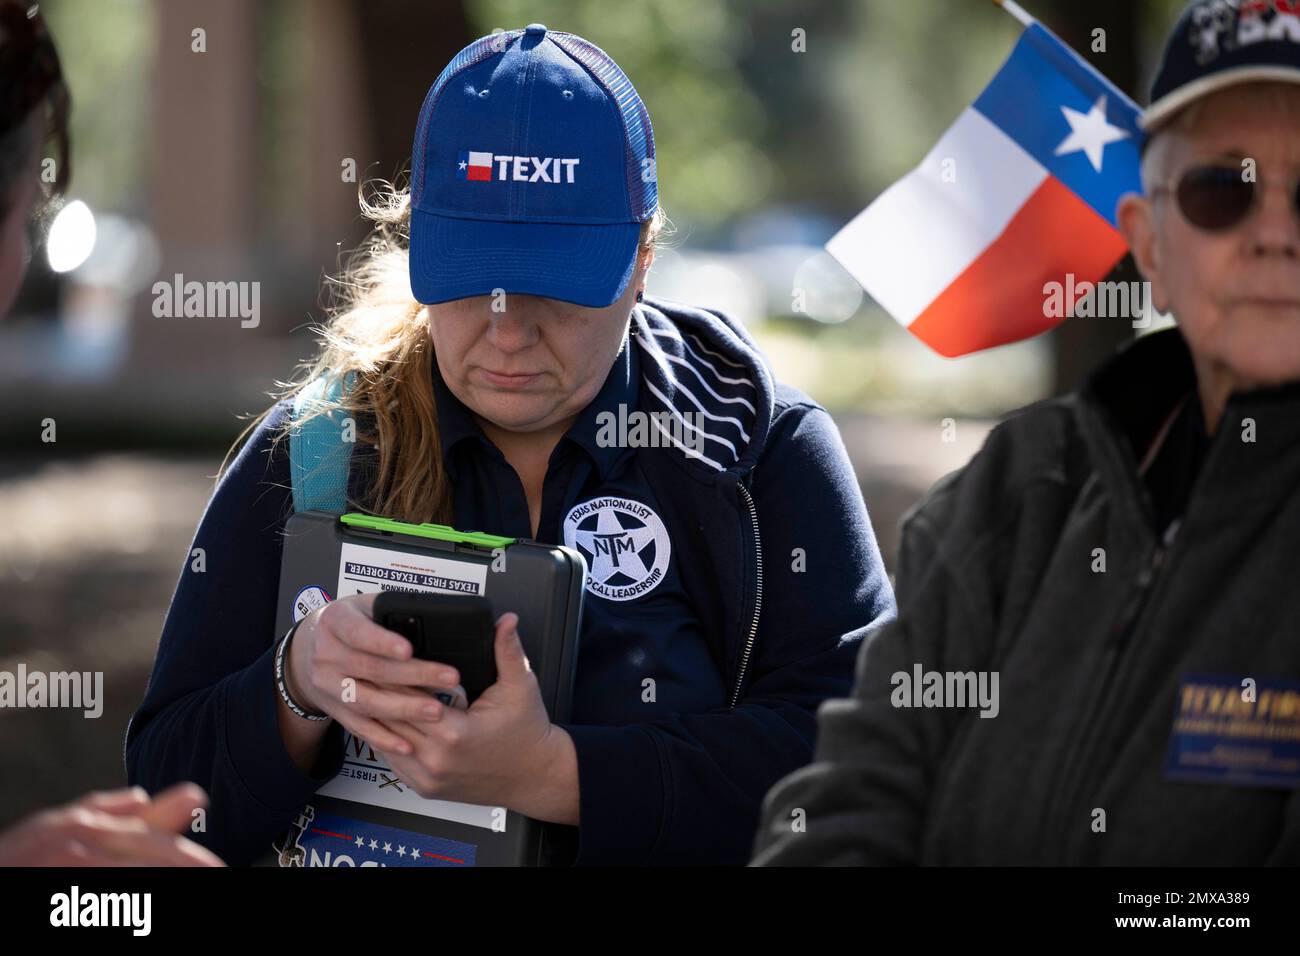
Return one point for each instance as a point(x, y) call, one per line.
point(342, 663)
point(111, 828)
point(497, 753)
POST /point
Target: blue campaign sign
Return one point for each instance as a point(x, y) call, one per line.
point(325, 839)
point(1241, 731)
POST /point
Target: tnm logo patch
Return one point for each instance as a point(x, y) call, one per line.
point(474, 166)
point(624, 543)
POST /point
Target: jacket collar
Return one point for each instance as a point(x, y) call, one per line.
point(1135, 391)
point(1254, 456)
point(702, 368)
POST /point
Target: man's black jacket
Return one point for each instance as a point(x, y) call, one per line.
point(998, 573)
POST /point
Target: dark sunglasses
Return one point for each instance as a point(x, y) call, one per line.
point(1216, 198)
point(29, 74)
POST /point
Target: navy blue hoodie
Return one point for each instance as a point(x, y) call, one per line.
point(774, 551)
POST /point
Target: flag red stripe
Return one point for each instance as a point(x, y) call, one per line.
point(999, 297)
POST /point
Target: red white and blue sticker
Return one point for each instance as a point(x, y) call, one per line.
point(1241, 731)
point(310, 598)
point(324, 839)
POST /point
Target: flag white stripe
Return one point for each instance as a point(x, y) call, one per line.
point(909, 245)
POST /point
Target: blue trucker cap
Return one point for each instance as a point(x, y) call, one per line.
point(532, 172)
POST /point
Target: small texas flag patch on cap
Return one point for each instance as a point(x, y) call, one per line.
point(474, 165)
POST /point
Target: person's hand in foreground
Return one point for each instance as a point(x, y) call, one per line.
point(111, 828)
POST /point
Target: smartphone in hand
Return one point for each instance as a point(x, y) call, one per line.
point(454, 629)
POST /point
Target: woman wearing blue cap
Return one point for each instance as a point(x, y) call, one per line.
point(492, 330)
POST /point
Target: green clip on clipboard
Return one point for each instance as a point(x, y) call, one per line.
point(366, 815)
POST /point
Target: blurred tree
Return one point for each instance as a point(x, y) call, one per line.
point(107, 49)
point(681, 56)
point(404, 47)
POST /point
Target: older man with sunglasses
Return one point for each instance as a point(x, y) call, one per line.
point(1124, 560)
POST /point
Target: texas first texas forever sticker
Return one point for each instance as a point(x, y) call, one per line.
point(365, 570)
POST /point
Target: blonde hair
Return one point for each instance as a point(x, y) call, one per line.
point(377, 332)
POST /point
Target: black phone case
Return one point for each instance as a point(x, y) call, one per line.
point(452, 629)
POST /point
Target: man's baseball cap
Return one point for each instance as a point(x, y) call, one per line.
point(1220, 43)
point(532, 172)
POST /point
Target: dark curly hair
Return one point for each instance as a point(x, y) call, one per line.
point(31, 84)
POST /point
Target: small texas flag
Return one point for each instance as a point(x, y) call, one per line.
point(474, 165)
point(1020, 192)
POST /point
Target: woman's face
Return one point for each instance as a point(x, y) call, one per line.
point(527, 363)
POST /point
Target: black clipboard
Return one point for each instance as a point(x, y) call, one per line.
point(366, 816)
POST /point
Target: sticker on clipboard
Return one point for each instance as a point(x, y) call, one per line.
point(326, 839)
point(366, 778)
point(310, 598)
point(367, 570)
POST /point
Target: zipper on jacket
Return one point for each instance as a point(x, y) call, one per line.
point(1123, 629)
point(758, 593)
point(1117, 644)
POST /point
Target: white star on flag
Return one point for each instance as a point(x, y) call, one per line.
point(1089, 132)
point(463, 164)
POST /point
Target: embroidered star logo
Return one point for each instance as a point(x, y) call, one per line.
point(615, 549)
point(1090, 133)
